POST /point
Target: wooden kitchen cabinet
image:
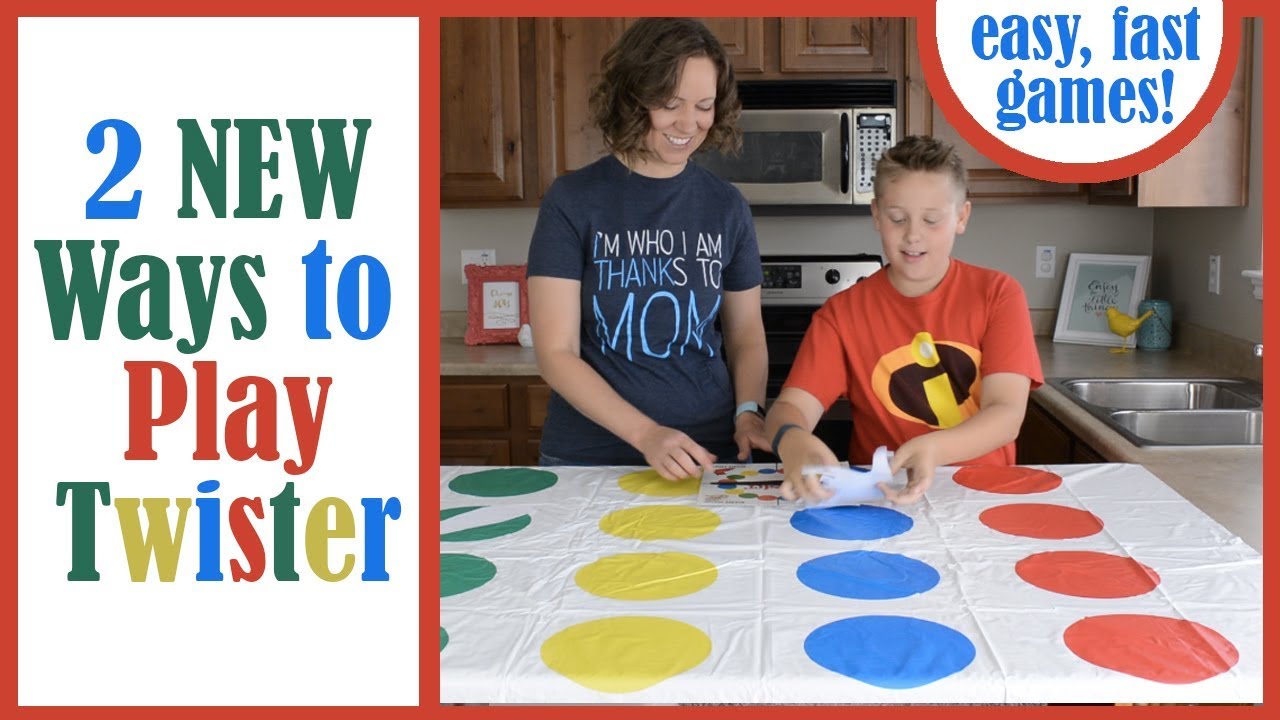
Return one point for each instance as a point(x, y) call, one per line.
point(481, 130)
point(1044, 441)
point(838, 45)
point(491, 420)
point(568, 53)
point(1213, 169)
point(743, 41)
point(988, 182)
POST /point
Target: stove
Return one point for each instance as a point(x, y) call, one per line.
point(794, 287)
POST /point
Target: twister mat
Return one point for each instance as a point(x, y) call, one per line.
point(1057, 584)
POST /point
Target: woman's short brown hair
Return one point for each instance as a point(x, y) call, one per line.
point(921, 153)
point(641, 72)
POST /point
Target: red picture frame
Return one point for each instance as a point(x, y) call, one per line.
point(491, 292)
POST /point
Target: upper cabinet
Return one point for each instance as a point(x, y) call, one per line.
point(841, 45)
point(1213, 169)
point(567, 55)
point(743, 41)
point(481, 148)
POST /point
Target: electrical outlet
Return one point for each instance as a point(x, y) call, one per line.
point(1046, 261)
point(477, 257)
point(1215, 274)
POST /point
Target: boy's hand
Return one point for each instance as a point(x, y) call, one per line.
point(748, 432)
point(798, 449)
point(917, 456)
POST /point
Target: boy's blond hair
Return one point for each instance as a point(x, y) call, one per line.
point(921, 153)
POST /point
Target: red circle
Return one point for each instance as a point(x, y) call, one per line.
point(767, 498)
point(1007, 479)
point(1087, 574)
point(1166, 650)
point(1040, 520)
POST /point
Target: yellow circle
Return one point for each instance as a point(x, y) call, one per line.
point(749, 473)
point(625, 654)
point(733, 491)
point(649, 482)
point(646, 576)
point(660, 522)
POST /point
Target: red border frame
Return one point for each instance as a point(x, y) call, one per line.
point(429, 349)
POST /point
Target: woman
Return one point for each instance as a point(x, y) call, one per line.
point(634, 258)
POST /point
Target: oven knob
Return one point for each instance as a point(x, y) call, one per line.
point(833, 276)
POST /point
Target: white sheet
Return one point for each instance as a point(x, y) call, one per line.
point(757, 614)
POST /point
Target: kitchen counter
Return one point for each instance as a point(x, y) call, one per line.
point(1225, 483)
point(459, 358)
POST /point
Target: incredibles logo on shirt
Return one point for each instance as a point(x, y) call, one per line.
point(932, 383)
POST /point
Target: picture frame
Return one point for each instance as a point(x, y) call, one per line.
point(1093, 283)
point(497, 303)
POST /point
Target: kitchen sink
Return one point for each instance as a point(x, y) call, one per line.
point(1193, 427)
point(1172, 411)
point(1166, 394)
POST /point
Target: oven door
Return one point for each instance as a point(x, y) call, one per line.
point(790, 157)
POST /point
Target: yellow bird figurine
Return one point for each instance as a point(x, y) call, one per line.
point(1124, 326)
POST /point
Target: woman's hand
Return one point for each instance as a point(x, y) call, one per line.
point(748, 432)
point(674, 455)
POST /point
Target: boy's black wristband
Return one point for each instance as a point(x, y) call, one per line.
point(777, 437)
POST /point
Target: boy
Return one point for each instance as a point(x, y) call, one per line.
point(935, 355)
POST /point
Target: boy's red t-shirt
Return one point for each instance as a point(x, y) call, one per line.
point(913, 365)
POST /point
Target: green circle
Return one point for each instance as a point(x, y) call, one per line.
point(503, 482)
point(747, 495)
point(444, 638)
point(460, 573)
point(737, 477)
point(483, 532)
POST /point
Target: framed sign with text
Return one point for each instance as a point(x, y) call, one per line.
point(497, 303)
point(1093, 284)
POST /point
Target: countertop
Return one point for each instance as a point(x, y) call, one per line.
point(1225, 483)
point(459, 358)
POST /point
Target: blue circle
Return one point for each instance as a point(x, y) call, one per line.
point(727, 486)
point(767, 471)
point(890, 651)
point(868, 575)
point(851, 522)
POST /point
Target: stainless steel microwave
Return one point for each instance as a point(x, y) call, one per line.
point(809, 146)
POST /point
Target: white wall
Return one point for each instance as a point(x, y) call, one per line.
point(998, 236)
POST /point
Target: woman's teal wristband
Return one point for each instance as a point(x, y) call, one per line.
point(777, 437)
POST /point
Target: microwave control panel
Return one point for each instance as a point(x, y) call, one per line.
point(873, 133)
